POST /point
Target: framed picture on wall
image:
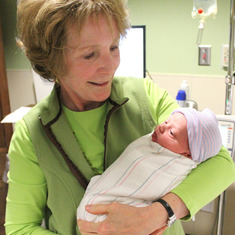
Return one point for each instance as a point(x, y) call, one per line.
point(132, 53)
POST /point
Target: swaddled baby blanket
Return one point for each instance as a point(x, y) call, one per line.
point(144, 172)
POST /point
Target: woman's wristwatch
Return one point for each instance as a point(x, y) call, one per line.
point(171, 215)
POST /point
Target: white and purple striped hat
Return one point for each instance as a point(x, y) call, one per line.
point(203, 133)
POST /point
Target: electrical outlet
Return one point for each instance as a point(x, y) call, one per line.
point(204, 57)
point(224, 56)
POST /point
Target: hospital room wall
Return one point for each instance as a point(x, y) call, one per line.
point(171, 34)
point(171, 51)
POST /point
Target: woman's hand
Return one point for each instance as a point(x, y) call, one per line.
point(159, 231)
point(125, 220)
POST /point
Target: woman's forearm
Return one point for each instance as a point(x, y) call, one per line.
point(213, 175)
point(177, 205)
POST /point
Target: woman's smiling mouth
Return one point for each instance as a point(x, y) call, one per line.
point(102, 84)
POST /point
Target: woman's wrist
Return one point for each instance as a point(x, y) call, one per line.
point(170, 212)
point(177, 205)
point(160, 213)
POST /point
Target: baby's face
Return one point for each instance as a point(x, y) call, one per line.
point(172, 134)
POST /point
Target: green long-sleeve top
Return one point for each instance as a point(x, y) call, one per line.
point(27, 197)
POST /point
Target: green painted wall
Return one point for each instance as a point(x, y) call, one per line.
point(14, 57)
point(170, 35)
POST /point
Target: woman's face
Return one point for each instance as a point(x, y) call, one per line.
point(92, 58)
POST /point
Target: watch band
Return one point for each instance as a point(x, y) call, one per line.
point(171, 215)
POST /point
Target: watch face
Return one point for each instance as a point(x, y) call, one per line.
point(171, 220)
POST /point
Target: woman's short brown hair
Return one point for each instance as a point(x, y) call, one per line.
point(42, 28)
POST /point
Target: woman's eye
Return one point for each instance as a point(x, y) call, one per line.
point(171, 133)
point(114, 48)
point(89, 56)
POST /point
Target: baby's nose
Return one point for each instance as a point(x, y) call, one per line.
point(162, 128)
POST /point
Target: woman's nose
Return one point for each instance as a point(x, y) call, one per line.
point(108, 65)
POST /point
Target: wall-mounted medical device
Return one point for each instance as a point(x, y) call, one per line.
point(227, 130)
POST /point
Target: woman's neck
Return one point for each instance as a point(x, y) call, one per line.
point(75, 104)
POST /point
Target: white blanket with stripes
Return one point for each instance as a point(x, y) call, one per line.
point(144, 172)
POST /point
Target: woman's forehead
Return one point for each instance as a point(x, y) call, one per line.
point(91, 28)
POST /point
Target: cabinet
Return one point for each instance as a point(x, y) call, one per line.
point(5, 130)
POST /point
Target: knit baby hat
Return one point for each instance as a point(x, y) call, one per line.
point(203, 133)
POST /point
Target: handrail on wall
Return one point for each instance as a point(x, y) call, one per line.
point(229, 79)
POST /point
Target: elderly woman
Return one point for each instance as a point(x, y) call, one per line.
point(86, 122)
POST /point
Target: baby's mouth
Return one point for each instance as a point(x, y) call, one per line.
point(154, 137)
